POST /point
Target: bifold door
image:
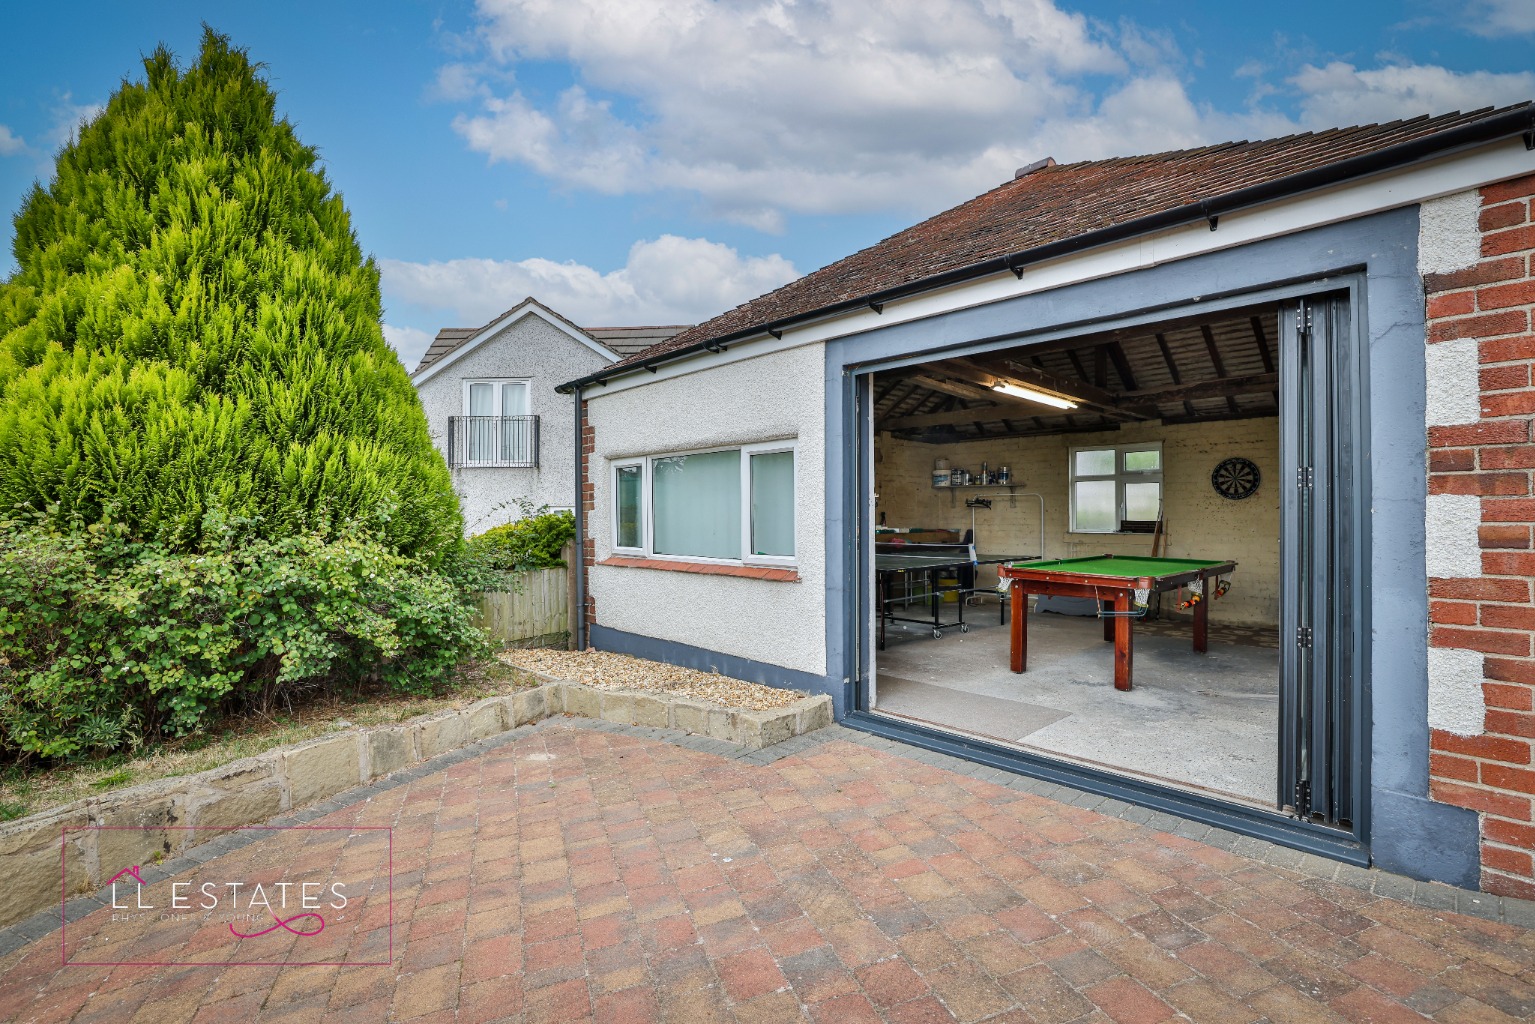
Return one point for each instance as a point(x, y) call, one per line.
point(1321, 551)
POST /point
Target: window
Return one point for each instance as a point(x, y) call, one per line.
point(497, 430)
point(1114, 485)
point(727, 505)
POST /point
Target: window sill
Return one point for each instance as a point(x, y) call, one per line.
point(754, 572)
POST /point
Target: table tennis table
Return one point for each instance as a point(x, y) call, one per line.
point(928, 561)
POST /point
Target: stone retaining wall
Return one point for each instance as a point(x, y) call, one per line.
point(157, 820)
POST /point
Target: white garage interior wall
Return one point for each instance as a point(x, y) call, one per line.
point(1199, 522)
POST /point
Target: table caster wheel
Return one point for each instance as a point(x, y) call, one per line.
point(964, 627)
point(937, 634)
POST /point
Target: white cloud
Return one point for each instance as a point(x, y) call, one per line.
point(409, 342)
point(1498, 17)
point(11, 144)
point(761, 108)
point(1341, 94)
point(666, 281)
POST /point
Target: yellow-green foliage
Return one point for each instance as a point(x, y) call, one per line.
point(193, 330)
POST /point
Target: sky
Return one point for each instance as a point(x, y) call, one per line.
point(661, 161)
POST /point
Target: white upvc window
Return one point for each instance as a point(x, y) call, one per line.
point(1112, 484)
point(497, 429)
point(728, 505)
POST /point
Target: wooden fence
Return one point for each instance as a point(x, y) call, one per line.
point(537, 613)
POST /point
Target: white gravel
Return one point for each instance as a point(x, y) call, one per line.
point(607, 671)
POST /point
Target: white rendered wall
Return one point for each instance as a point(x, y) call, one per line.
point(532, 348)
point(776, 396)
point(1199, 522)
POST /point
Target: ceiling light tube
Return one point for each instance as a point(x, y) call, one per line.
point(1030, 395)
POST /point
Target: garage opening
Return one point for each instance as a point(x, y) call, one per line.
point(1104, 549)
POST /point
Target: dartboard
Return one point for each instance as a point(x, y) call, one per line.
point(1236, 479)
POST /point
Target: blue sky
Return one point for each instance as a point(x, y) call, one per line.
point(658, 161)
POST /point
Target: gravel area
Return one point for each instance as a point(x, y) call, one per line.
point(608, 671)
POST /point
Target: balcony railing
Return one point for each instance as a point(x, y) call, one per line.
point(509, 442)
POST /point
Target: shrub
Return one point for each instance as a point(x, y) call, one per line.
point(106, 641)
point(193, 328)
point(533, 542)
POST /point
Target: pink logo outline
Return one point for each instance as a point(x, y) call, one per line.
point(135, 870)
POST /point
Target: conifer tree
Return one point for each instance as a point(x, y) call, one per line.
point(192, 337)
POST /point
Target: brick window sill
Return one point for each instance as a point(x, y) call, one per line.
point(753, 572)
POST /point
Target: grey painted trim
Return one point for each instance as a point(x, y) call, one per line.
point(1384, 245)
point(606, 638)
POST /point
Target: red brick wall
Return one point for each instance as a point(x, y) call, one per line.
point(588, 502)
point(1492, 458)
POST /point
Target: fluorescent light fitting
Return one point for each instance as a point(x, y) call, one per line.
point(1030, 395)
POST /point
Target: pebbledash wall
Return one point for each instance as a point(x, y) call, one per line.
point(1478, 263)
point(763, 625)
point(1198, 519)
point(534, 349)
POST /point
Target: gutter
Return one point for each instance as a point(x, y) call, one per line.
point(1519, 121)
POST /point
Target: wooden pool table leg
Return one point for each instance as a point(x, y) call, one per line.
point(1108, 620)
point(1123, 639)
point(1020, 630)
point(1202, 618)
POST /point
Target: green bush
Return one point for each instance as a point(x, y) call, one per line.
point(106, 641)
point(193, 329)
point(533, 542)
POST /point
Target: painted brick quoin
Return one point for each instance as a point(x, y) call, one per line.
point(1493, 302)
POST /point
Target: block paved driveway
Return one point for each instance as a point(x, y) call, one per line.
point(579, 874)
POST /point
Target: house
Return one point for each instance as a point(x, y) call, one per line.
point(1296, 371)
point(491, 405)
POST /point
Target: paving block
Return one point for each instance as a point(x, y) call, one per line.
point(389, 750)
point(320, 769)
point(582, 700)
point(651, 711)
point(440, 734)
point(251, 805)
point(617, 707)
point(758, 729)
point(813, 713)
point(486, 718)
point(533, 704)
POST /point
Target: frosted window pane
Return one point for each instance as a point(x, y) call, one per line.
point(629, 532)
point(773, 503)
point(1095, 505)
point(1141, 500)
point(1143, 462)
point(1096, 463)
point(697, 505)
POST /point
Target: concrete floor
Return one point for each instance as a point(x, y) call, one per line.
point(1208, 722)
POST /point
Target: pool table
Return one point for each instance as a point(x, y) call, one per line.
point(1112, 580)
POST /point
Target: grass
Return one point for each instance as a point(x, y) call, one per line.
point(24, 792)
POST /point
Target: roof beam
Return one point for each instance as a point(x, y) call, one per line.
point(1215, 358)
point(1227, 388)
point(945, 419)
point(1172, 368)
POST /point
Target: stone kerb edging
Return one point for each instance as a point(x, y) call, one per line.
point(163, 816)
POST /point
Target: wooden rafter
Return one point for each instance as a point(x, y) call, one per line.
point(1215, 358)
